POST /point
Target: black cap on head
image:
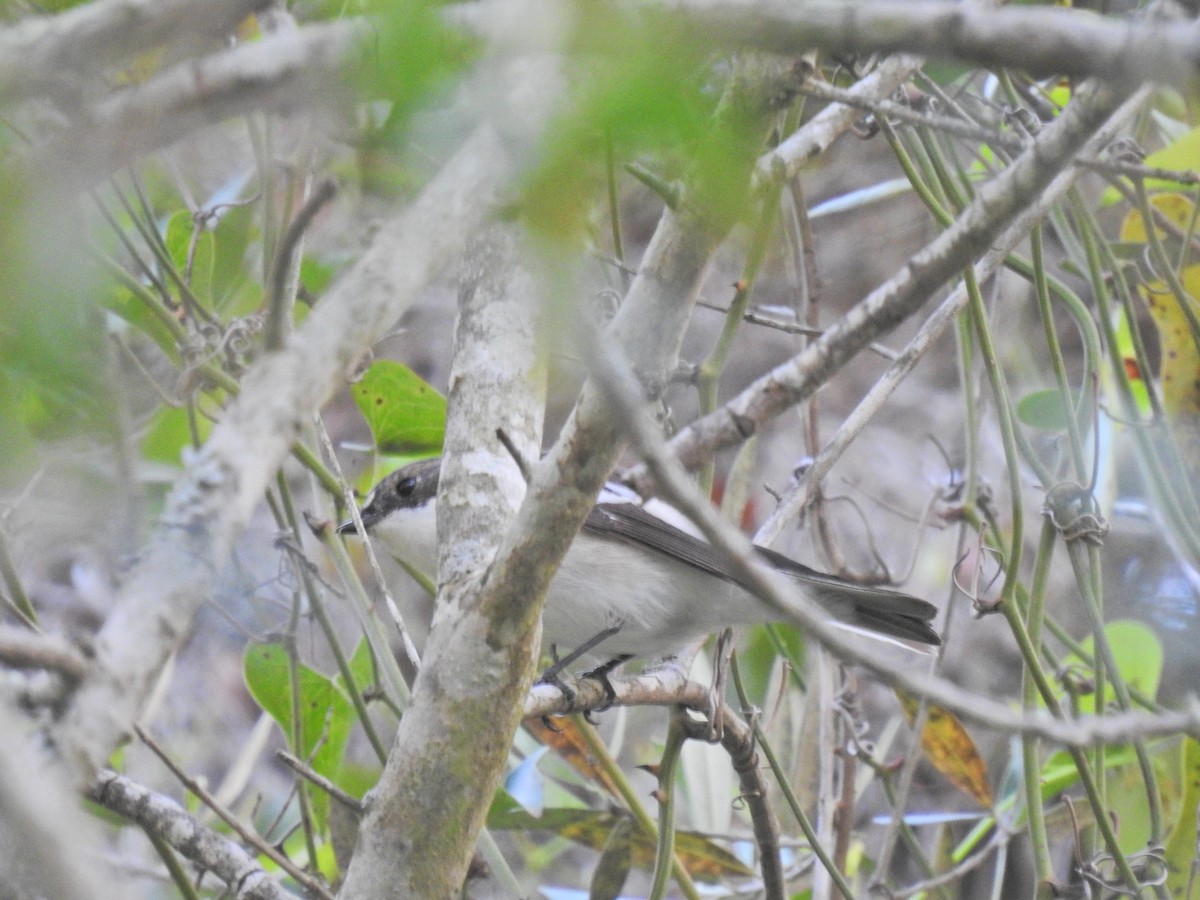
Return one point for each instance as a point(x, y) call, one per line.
point(407, 488)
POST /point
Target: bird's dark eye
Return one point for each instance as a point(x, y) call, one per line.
point(405, 487)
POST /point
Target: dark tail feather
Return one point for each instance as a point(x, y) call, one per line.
point(897, 625)
point(888, 612)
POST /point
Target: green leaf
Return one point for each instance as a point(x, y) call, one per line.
point(1059, 772)
point(416, 55)
point(760, 659)
point(122, 302)
point(315, 275)
point(1139, 657)
point(54, 377)
point(326, 713)
point(613, 868)
point(169, 433)
point(1043, 410)
point(405, 414)
point(647, 91)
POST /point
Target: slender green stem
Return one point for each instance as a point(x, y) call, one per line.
point(614, 210)
point(178, 873)
point(391, 680)
point(664, 857)
point(285, 519)
point(631, 799)
point(1007, 429)
point(950, 185)
point(923, 191)
point(1042, 290)
point(16, 598)
point(1030, 757)
point(714, 364)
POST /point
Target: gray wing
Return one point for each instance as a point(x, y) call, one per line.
point(888, 612)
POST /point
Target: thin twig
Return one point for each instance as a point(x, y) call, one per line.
point(247, 834)
point(306, 771)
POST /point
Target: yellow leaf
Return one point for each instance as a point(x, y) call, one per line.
point(950, 748)
point(1181, 846)
point(1173, 316)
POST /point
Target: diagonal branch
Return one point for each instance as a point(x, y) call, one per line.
point(284, 71)
point(209, 850)
point(621, 391)
point(995, 205)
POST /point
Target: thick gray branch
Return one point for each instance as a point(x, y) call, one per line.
point(814, 138)
point(456, 733)
point(1040, 39)
point(284, 72)
point(44, 52)
point(209, 850)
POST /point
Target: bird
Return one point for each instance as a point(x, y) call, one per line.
point(635, 582)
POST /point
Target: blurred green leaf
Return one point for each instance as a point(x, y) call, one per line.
point(416, 56)
point(362, 667)
point(169, 432)
point(1059, 772)
point(405, 414)
point(231, 240)
point(1043, 410)
point(1181, 846)
point(647, 91)
point(613, 867)
point(760, 658)
point(1139, 657)
point(315, 275)
point(121, 301)
point(54, 372)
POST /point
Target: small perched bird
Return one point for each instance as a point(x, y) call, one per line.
point(635, 585)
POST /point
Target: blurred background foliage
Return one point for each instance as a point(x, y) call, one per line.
point(130, 311)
